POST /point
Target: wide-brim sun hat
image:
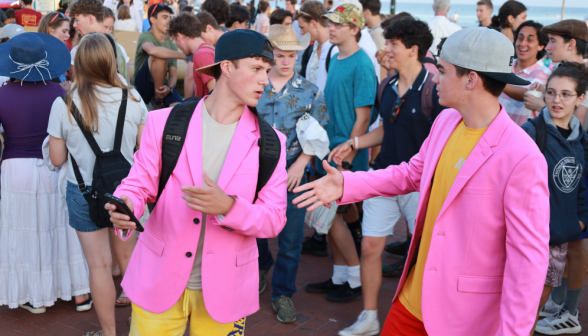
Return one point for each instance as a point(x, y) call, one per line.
point(483, 50)
point(285, 38)
point(34, 57)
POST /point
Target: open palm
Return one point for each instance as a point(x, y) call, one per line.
point(321, 191)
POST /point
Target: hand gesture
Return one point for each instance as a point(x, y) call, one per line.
point(321, 191)
point(120, 220)
point(533, 103)
point(339, 153)
point(162, 91)
point(210, 199)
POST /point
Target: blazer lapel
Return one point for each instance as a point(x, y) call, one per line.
point(193, 145)
point(479, 155)
point(242, 142)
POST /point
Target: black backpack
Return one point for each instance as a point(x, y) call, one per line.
point(110, 167)
point(174, 135)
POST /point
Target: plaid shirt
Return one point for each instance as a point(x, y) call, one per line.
point(536, 73)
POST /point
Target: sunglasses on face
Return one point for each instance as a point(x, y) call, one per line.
point(154, 7)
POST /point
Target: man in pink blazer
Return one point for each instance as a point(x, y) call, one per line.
point(197, 258)
point(479, 254)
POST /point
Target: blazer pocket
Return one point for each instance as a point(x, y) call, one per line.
point(152, 242)
point(477, 191)
point(481, 285)
point(247, 255)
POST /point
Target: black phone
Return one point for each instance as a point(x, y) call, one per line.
point(122, 207)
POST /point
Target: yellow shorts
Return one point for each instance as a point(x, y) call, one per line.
point(174, 321)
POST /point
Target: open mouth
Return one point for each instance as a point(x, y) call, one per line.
point(258, 94)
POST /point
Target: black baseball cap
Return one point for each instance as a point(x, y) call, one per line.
point(237, 44)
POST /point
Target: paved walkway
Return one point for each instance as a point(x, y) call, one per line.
point(316, 316)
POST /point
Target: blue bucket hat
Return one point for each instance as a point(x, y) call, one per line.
point(34, 57)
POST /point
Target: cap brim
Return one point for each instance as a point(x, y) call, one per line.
point(333, 17)
point(508, 78)
point(207, 70)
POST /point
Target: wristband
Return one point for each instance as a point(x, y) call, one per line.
point(356, 143)
point(350, 144)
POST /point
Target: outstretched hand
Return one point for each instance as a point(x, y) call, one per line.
point(321, 191)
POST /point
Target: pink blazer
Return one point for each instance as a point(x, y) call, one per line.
point(489, 253)
point(162, 260)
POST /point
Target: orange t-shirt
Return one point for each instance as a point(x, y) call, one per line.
point(27, 17)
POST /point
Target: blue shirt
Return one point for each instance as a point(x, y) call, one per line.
point(351, 84)
point(283, 109)
point(146, 25)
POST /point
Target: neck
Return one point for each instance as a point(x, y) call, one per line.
point(563, 122)
point(217, 35)
point(28, 6)
point(97, 28)
point(508, 33)
point(523, 64)
point(409, 73)
point(479, 110)
point(278, 80)
point(160, 35)
point(575, 58)
point(223, 106)
point(194, 44)
point(372, 20)
point(322, 34)
point(486, 22)
point(442, 13)
point(348, 48)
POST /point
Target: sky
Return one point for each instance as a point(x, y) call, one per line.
point(528, 3)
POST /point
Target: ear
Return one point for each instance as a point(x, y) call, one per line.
point(472, 80)
point(226, 68)
point(580, 99)
point(414, 51)
point(572, 45)
point(510, 19)
point(209, 29)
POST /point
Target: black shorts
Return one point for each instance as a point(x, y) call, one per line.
point(145, 87)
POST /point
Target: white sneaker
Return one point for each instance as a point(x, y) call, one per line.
point(32, 309)
point(367, 324)
point(550, 308)
point(560, 323)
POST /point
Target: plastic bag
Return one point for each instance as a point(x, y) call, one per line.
point(322, 217)
point(312, 137)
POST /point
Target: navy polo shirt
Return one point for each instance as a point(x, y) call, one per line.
point(404, 137)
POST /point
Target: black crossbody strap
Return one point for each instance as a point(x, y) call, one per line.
point(120, 123)
point(174, 136)
point(78, 117)
point(269, 152)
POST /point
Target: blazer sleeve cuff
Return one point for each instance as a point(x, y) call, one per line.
point(350, 182)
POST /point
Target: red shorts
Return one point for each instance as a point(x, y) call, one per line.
point(400, 322)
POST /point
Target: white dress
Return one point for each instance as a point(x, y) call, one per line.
point(41, 258)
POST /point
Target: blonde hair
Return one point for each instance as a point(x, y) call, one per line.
point(94, 64)
point(124, 12)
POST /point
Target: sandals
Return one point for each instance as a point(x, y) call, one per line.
point(123, 296)
point(86, 305)
point(394, 270)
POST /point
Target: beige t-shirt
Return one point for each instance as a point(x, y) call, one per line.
point(216, 140)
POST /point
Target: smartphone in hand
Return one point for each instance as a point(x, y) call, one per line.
point(122, 207)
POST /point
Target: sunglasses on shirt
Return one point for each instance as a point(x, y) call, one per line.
point(396, 109)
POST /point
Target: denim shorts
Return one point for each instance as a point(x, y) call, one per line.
point(78, 209)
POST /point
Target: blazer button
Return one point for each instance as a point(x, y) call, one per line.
point(188, 254)
point(196, 221)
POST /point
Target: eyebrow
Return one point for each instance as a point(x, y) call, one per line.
point(440, 67)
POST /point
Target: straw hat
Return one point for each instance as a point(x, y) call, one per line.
point(285, 38)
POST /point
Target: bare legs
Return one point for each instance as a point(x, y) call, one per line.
point(371, 270)
point(342, 244)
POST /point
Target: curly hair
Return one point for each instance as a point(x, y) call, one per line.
point(185, 24)
point(219, 9)
point(542, 38)
point(88, 7)
point(411, 32)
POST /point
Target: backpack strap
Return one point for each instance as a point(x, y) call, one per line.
point(120, 122)
point(541, 132)
point(270, 150)
point(328, 62)
point(430, 60)
point(174, 136)
point(427, 97)
point(382, 88)
point(78, 118)
point(305, 59)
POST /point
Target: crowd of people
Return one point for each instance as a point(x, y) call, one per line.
point(339, 118)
